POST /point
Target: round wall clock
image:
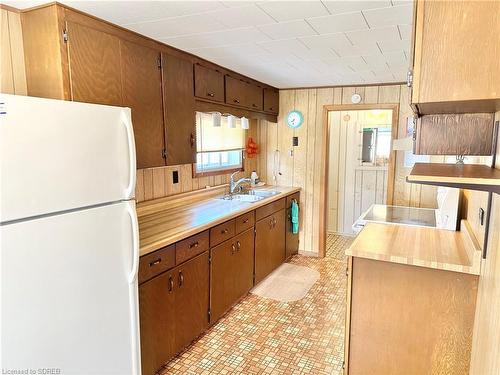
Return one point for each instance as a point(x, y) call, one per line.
point(294, 119)
point(356, 98)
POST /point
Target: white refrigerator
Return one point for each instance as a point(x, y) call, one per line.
point(69, 246)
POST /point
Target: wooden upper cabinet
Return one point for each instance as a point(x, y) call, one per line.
point(271, 100)
point(208, 83)
point(94, 64)
point(142, 92)
point(454, 134)
point(245, 94)
point(456, 59)
point(236, 93)
point(255, 98)
point(178, 104)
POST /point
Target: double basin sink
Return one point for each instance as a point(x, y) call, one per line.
point(251, 196)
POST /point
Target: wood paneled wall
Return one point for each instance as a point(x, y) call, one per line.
point(486, 343)
point(12, 67)
point(155, 183)
point(282, 164)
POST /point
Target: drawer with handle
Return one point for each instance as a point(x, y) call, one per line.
point(155, 263)
point(191, 246)
point(270, 208)
point(222, 232)
point(245, 221)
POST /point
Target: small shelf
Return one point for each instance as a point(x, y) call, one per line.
point(464, 176)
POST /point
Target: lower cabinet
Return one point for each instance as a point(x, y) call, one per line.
point(173, 311)
point(157, 319)
point(232, 272)
point(188, 285)
point(269, 244)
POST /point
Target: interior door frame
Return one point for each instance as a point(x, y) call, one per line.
point(391, 170)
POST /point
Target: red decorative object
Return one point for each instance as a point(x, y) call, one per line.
point(252, 149)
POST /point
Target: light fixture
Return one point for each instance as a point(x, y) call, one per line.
point(231, 121)
point(245, 124)
point(216, 119)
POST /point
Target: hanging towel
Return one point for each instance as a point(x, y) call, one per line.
point(295, 217)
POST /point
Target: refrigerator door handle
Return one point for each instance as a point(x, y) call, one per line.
point(131, 149)
point(135, 242)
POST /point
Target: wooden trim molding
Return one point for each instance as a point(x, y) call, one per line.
point(324, 160)
point(358, 85)
point(216, 172)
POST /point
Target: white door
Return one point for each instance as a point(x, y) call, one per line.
point(69, 292)
point(57, 155)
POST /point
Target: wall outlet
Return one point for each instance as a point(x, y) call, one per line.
point(175, 177)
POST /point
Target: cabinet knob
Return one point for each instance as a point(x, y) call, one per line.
point(236, 101)
point(238, 245)
point(194, 244)
point(224, 231)
point(233, 249)
point(191, 139)
point(245, 221)
point(211, 94)
point(254, 105)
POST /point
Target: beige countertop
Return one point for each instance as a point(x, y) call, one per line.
point(168, 220)
point(419, 246)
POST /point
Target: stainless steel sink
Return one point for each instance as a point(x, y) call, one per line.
point(263, 193)
point(251, 196)
point(242, 197)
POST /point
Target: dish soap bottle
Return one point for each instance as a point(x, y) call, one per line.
point(255, 178)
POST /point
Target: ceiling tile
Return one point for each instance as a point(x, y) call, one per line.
point(363, 37)
point(393, 46)
point(405, 31)
point(285, 46)
point(293, 10)
point(178, 26)
point(247, 49)
point(125, 12)
point(337, 6)
point(286, 30)
point(326, 41)
point(217, 39)
point(338, 23)
point(396, 15)
point(241, 16)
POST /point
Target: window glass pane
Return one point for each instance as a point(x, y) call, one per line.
point(219, 160)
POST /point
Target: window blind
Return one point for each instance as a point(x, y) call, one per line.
point(211, 138)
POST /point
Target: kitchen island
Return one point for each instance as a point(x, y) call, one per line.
point(411, 300)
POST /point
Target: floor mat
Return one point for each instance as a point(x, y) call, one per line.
point(287, 283)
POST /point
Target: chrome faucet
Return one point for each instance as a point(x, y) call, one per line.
point(235, 185)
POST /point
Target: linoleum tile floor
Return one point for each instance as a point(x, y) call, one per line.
point(264, 336)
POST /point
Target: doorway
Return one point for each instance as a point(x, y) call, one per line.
point(360, 163)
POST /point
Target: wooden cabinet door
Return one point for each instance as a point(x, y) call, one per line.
point(236, 92)
point(222, 280)
point(291, 239)
point(271, 100)
point(208, 83)
point(157, 322)
point(244, 263)
point(191, 299)
point(454, 62)
point(142, 92)
point(454, 134)
point(179, 113)
point(94, 65)
point(255, 97)
point(269, 244)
